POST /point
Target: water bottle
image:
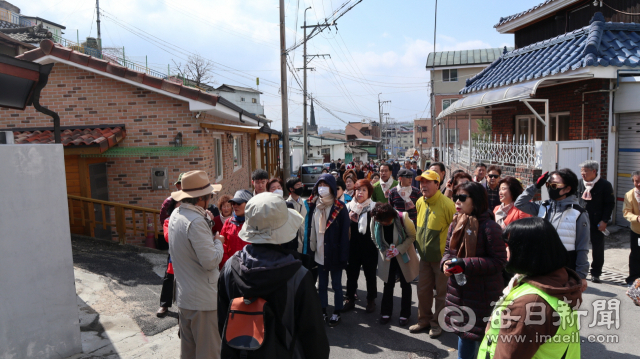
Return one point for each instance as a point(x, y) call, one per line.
point(461, 279)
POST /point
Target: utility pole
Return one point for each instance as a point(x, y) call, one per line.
point(305, 132)
point(98, 25)
point(384, 136)
point(433, 72)
point(286, 165)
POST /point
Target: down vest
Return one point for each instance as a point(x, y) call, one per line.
point(484, 279)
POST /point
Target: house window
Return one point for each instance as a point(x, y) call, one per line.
point(558, 128)
point(242, 99)
point(450, 75)
point(424, 140)
point(452, 135)
point(253, 100)
point(237, 152)
point(218, 154)
point(325, 151)
point(446, 103)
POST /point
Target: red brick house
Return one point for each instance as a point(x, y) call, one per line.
point(558, 101)
point(120, 127)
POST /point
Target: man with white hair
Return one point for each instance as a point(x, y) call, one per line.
point(596, 196)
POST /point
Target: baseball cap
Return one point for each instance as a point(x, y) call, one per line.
point(179, 179)
point(429, 175)
point(241, 196)
point(405, 173)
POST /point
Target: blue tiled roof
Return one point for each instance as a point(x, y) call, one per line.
point(504, 20)
point(598, 44)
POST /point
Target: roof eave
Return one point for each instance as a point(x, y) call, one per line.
point(534, 16)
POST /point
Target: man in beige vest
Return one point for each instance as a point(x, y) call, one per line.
point(196, 255)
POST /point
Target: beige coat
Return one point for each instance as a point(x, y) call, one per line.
point(630, 211)
point(302, 209)
point(195, 256)
point(409, 269)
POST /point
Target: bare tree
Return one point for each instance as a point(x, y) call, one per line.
point(197, 71)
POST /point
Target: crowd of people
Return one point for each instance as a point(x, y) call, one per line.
point(252, 273)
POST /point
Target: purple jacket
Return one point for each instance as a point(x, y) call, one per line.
point(484, 278)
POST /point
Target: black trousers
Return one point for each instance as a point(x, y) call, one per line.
point(597, 252)
point(386, 307)
point(368, 261)
point(166, 295)
point(634, 258)
point(571, 262)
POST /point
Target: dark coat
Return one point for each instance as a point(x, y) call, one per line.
point(262, 270)
point(602, 203)
point(484, 277)
point(336, 236)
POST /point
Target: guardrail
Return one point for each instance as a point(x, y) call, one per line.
point(122, 223)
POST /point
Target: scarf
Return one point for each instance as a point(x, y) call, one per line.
point(636, 193)
point(321, 204)
point(350, 193)
point(357, 211)
point(405, 192)
point(379, 235)
point(386, 186)
point(502, 213)
point(588, 186)
point(238, 219)
point(465, 235)
point(223, 219)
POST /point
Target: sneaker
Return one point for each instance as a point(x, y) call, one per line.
point(595, 279)
point(435, 332)
point(418, 328)
point(349, 304)
point(384, 319)
point(334, 320)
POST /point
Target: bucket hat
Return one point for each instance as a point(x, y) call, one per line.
point(268, 220)
point(195, 184)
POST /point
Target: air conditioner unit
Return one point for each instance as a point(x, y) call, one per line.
point(6, 138)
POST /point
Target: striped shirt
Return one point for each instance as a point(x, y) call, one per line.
point(398, 204)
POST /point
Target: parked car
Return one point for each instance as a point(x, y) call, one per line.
point(309, 174)
point(327, 165)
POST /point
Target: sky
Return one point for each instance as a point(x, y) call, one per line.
point(379, 46)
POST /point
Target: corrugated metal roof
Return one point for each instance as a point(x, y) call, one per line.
point(598, 44)
point(464, 57)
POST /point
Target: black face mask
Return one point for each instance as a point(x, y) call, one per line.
point(554, 194)
point(299, 191)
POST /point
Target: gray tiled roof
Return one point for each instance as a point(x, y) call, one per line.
point(8, 25)
point(31, 34)
point(504, 20)
point(464, 57)
point(598, 44)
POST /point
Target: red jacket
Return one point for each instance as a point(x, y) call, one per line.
point(232, 243)
point(513, 215)
point(165, 229)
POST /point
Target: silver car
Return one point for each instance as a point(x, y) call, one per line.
point(309, 174)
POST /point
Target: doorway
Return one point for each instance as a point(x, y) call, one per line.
point(99, 190)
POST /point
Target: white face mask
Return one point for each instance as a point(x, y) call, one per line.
point(323, 191)
point(279, 192)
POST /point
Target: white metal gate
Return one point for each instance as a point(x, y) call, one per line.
point(628, 159)
point(568, 154)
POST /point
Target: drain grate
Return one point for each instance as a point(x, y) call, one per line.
point(613, 277)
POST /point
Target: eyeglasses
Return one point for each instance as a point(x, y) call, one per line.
point(493, 176)
point(555, 185)
point(460, 197)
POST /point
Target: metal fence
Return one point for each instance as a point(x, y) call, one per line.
point(507, 151)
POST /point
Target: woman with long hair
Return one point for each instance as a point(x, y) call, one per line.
point(476, 253)
point(362, 251)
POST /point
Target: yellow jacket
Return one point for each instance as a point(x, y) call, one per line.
point(630, 211)
point(434, 217)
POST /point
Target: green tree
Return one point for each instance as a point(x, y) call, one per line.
point(484, 128)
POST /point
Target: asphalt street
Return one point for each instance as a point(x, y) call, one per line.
point(133, 283)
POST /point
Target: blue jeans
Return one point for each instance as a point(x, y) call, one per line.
point(467, 349)
point(336, 284)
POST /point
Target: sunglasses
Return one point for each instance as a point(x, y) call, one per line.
point(493, 176)
point(460, 197)
point(555, 185)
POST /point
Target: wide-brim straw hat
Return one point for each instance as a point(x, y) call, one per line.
point(268, 220)
point(195, 184)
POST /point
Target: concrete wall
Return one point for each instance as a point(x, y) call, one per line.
point(39, 312)
point(453, 87)
point(247, 104)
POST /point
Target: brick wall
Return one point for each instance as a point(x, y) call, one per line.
point(82, 98)
point(566, 98)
